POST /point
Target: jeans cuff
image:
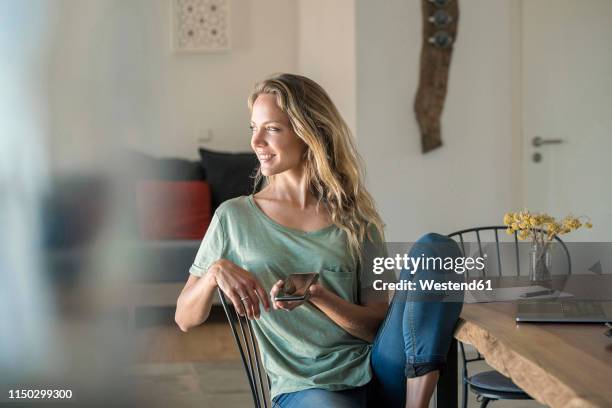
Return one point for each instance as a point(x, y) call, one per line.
point(417, 366)
point(420, 369)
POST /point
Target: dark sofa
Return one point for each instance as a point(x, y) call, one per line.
point(170, 202)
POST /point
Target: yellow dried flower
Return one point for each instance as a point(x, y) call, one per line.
point(541, 226)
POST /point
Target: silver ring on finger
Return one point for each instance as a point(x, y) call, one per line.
point(245, 299)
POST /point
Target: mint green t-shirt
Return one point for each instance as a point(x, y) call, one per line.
point(303, 348)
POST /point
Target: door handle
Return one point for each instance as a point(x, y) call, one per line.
point(538, 141)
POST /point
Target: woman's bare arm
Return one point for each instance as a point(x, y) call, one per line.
point(361, 321)
point(240, 286)
point(195, 301)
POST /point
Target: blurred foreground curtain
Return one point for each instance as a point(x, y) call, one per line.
point(26, 316)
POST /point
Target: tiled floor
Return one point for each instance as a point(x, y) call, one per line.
point(223, 385)
point(204, 385)
point(202, 368)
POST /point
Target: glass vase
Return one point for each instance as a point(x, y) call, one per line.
point(540, 262)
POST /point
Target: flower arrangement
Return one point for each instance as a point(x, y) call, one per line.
point(541, 227)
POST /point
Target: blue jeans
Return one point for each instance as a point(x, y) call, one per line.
point(413, 339)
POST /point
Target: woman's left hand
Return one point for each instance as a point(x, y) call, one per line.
point(290, 305)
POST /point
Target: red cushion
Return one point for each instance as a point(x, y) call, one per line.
point(173, 209)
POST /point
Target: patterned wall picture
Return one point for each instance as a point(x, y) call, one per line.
point(201, 25)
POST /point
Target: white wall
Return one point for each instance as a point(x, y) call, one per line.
point(116, 81)
point(472, 179)
point(326, 50)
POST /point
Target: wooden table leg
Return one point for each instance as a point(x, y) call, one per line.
point(447, 394)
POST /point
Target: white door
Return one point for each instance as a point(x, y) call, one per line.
point(567, 96)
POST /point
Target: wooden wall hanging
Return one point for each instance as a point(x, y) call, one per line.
point(440, 19)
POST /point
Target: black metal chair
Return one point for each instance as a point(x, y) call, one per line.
point(249, 352)
point(492, 385)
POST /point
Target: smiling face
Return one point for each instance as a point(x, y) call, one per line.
point(277, 146)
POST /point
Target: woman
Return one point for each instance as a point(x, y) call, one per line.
point(313, 214)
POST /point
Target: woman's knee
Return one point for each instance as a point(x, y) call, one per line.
point(434, 244)
point(432, 237)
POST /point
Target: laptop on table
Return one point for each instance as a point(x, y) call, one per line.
point(564, 311)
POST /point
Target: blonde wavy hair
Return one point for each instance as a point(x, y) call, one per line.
point(333, 167)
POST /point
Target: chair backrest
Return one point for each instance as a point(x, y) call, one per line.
point(481, 234)
point(249, 352)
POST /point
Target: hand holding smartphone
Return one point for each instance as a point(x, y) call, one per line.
point(297, 287)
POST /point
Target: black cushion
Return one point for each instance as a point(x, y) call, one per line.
point(229, 174)
point(495, 381)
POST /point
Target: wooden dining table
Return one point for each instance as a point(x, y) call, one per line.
point(558, 364)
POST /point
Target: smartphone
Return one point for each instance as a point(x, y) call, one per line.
point(297, 287)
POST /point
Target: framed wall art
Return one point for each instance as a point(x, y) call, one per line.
point(200, 25)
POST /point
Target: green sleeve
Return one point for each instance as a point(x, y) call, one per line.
point(211, 249)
